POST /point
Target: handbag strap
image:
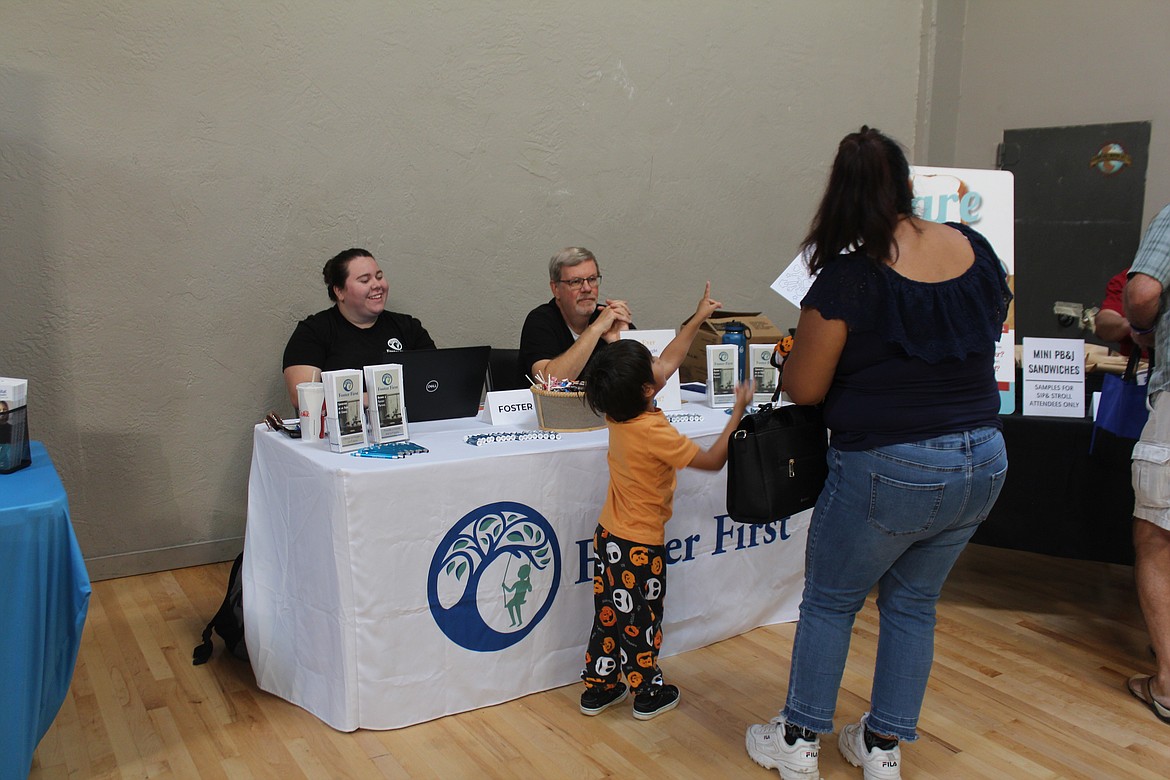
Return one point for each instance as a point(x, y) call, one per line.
point(1135, 357)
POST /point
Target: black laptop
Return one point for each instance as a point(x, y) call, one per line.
point(442, 384)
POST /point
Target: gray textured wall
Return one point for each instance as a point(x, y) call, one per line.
point(1051, 63)
point(172, 177)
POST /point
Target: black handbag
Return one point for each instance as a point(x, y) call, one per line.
point(776, 463)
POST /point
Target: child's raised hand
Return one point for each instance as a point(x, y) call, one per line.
point(707, 306)
point(743, 396)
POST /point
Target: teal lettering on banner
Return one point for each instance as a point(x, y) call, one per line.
point(936, 208)
point(969, 207)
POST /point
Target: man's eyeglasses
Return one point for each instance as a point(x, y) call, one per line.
point(575, 284)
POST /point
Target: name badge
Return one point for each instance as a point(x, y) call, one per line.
point(511, 407)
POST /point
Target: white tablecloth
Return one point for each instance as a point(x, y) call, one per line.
point(374, 590)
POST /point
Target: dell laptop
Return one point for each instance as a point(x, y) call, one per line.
point(442, 384)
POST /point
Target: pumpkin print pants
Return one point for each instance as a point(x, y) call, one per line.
point(629, 587)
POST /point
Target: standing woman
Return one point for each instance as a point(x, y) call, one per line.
point(897, 338)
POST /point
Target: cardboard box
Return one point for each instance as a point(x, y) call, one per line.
point(694, 366)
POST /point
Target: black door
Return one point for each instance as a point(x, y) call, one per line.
point(1079, 195)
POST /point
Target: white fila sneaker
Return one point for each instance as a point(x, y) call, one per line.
point(878, 764)
point(766, 745)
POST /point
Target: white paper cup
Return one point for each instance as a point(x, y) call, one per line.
point(310, 400)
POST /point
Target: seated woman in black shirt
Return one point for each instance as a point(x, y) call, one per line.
point(357, 331)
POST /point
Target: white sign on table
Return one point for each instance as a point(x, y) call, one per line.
point(669, 398)
point(1054, 377)
point(510, 407)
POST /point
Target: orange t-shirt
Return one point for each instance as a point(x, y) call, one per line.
point(644, 454)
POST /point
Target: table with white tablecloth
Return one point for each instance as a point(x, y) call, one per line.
point(383, 592)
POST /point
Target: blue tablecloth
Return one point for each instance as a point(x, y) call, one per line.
point(44, 597)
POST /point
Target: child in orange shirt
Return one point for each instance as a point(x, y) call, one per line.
point(629, 553)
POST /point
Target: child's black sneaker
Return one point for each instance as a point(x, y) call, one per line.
point(656, 701)
point(597, 700)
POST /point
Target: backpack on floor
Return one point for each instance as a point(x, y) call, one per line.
point(228, 621)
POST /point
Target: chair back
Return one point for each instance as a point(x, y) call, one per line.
point(504, 370)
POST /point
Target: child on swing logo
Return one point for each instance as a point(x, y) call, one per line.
point(494, 576)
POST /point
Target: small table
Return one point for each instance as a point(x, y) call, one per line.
point(45, 591)
point(1059, 497)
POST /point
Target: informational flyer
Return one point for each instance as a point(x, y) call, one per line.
point(722, 375)
point(384, 403)
point(1054, 377)
point(763, 375)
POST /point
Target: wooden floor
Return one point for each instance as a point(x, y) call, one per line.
point(1032, 654)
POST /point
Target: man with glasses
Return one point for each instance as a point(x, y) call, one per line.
point(560, 336)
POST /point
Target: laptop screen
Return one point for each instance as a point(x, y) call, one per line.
point(442, 384)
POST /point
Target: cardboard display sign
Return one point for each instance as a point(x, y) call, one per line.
point(722, 374)
point(385, 402)
point(1054, 377)
point(511, 407)
point(345, 420)
point(669, 398)
point(762, 373)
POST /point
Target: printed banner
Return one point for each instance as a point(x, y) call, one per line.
point(384, 593)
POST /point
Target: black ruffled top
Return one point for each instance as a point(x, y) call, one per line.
point(918, 361)
point(934, 321)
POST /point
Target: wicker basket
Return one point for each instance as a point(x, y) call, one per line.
point(564, 412)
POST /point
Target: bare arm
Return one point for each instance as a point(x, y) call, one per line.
point(1110, 326)
point(676, 351)
point(713, 458)
point(1142, 300)
point(809, 369)
point(294, 375)
point(569, 364)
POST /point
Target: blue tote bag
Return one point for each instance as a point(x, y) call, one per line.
point(1122, 409)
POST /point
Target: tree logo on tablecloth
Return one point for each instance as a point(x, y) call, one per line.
point(494, 576)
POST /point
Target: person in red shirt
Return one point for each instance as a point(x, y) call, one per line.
point(1111, 324)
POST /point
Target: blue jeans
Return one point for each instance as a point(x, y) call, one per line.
point(897, 517)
